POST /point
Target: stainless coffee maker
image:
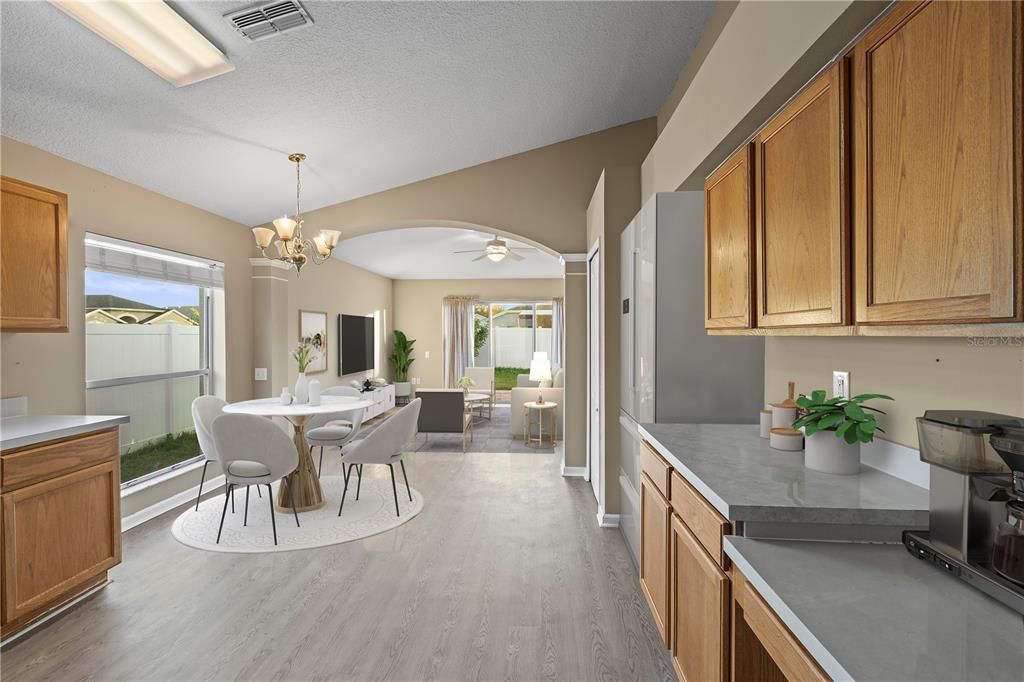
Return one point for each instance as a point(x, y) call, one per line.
point(976, 488)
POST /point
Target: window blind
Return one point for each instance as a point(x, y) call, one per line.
point(121, 257)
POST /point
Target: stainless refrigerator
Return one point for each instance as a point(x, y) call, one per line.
point(672, 371)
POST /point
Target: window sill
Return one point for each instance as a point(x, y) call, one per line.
point(173, 498)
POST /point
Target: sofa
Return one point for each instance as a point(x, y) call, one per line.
point(521, 395)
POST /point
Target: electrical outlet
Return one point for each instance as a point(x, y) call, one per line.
point(841, 384)
point(426, 355)
point(261, 374)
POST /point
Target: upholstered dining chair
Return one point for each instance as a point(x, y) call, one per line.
point(333, 430)
point(205, 409)
point(383, 445)
point(254, 451)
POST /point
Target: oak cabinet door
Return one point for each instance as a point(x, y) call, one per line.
point(59, 534)
point(700, 611)
point(938, 165)
point(655, 513)
point(802, 229)
point(33, 258)
point(728, 233)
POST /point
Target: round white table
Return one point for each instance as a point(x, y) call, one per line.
point(475, 400)
point(304, 482)
point(540, 409)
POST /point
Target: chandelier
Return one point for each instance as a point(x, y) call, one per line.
point(292, 248)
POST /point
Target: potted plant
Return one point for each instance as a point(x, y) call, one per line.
point(835, 428)
point(303, 354)
point(401, 361)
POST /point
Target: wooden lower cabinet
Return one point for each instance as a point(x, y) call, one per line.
point(60, 534)
point(655, 515)
point(700, 610)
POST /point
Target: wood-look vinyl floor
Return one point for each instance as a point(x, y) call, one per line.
point(504, 575)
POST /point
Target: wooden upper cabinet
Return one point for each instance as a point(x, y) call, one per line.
point(728, 230)
point(33, 258)
point(938, 164)
point(801, 209)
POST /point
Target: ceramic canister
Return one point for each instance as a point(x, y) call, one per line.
point(786, 439)
point(766, 423)
point(783, 417)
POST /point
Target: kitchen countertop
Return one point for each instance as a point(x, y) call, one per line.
point(749, 482)
point(17, 432)
point(874, 612)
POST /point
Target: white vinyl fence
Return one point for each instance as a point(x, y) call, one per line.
point(513, 347)
point(157, 407)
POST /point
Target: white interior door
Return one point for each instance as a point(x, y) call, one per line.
point(594, 463)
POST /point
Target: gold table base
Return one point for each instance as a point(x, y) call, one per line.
point(303, 482)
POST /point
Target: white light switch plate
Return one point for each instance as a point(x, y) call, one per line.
point(426, 355)
point(841, 384)
point(261, 374)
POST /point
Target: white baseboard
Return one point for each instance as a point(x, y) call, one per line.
point(896, 460)
point(155, 510)
point(605, 520)
point(574, 471)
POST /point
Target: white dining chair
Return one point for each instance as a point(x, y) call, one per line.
point(254, 451)
point(383, 445)
point(332, 430)
point(205, 409)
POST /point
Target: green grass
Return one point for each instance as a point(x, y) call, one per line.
point(505, 377)
point(160, 454)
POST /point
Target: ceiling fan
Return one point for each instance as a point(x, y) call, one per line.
point(496, 250)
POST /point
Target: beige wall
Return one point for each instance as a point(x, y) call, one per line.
point(615, 201)
point(418, 312)
point(50, 368)
point(921, 374)
point(539, 195)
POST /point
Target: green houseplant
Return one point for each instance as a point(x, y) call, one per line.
point(835, 428)
point(401, 361)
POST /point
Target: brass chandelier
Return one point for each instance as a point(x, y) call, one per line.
point(292, 248)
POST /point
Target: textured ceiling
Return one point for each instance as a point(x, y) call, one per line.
point(426, 253)
point(377, 94)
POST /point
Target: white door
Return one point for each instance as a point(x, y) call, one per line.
point(594, 373)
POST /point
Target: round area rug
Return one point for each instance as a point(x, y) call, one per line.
point(372, 513)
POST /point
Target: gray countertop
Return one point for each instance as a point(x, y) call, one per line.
point(874, 612)
point(17, 432)
point(747, 481)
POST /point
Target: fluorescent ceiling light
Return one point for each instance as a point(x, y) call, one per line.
point(153, 34)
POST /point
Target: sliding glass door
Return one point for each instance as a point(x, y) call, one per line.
point(507, 333)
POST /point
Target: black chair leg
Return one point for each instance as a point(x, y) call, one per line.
point(201, 481)
point(273, 521)
point(291, 500)
point(224, 512)
point(320, 471)
point(359, 483)
point(259, 492)
point(407, 488)
point(346, 472)
point(394, 489)
point(232, 499)
point(245, 519)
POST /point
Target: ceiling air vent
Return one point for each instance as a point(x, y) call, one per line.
point(274, 18)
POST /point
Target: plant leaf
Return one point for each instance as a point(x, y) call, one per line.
point(854, 411)
point(830, 420)
point(871, 396)
point(866, 427)
point(810, 429)
point(804, 402)
point(850, 436)
point(843, 428)
point(818, 395)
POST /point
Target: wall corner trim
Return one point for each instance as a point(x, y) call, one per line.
point(571, 472)
point(269, 263)
point(574, 257)
point(605, 520)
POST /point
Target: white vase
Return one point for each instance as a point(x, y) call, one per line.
point(824, 452)
point(301, 389)
point(314, 392)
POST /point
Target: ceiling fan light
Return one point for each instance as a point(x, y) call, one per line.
point(496, 256)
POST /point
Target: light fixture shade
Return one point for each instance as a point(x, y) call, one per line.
point(495, 257)
point(264, 235)
point(540, 367)
point(153, 34)
point(331, 237)
point(321, 245)
point(285, 227)
point(282, 249)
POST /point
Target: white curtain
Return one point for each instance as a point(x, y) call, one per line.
point(457, 337)
point(557, 330)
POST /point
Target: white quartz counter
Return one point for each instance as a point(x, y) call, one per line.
point(874, 612)
point(770, 493)
point(17, 432)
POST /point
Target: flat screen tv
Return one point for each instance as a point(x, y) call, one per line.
point(355, 352)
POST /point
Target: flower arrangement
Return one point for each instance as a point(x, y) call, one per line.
point(303, 354)
point(465, 383)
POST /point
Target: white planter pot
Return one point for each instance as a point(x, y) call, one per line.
point(402, 389)
point(302, 389)
point(824, 452)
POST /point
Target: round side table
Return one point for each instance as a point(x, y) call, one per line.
point(540, 408)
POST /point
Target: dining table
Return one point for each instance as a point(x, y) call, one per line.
point(304, 482)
